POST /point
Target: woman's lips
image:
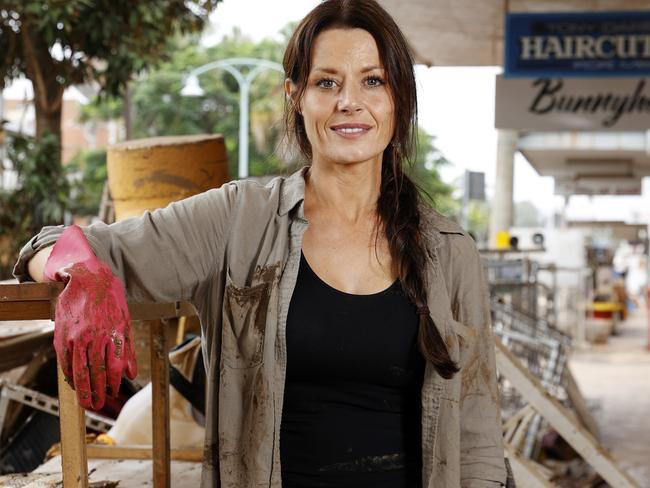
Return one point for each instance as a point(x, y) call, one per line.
point(351, 131)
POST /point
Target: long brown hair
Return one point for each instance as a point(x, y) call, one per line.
point(399, 199)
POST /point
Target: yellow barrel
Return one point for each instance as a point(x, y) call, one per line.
point(145, 174)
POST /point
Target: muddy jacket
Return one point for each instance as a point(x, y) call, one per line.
point(234, 253)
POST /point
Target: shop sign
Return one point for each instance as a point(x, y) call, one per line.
point(573, 103)
point(577, 44)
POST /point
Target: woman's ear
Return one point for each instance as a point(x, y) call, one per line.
point(291, 91)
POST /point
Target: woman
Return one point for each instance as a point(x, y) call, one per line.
point(337, 309)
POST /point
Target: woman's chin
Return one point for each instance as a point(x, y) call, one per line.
point(349, 157)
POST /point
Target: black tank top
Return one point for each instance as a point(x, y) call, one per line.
point(351, 414)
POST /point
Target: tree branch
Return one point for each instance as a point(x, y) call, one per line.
point(31, 61)
point(56, 105)
point(10, 47)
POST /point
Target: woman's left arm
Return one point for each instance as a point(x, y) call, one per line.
point(481, 441)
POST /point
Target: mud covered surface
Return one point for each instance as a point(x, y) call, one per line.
point(126, 473)
point(34, 480)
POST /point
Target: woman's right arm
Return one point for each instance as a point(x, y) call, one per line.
point(163, 256)
point(37, 263)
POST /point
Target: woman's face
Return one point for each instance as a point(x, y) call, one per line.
point(347, 106)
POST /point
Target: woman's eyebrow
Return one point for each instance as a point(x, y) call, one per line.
point(326, 70)
point(334, 71)
point(371, 68)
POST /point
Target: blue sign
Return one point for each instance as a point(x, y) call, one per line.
point(577, 44)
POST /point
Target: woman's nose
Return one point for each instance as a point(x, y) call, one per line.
point(349, 100)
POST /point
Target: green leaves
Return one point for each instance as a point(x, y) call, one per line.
point(107, 41)
point(159, 108)
point(425, 172)
point(73, 42)
point(87, 172)
point(40, 198)
point(43, 187)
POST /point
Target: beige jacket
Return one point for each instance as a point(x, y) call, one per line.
point(234, 253)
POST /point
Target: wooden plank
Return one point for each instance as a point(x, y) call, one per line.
point(33, 309)
point(154, 311)
point(160, 405)
point(39, 358)
point(72, 423)
point(20, 350)
point(30, 291)
point(559, 417)
point(579, 403)
point(95, 451)
point(520, 432)
point(25, 310)
point(510, 425)
point(525, 472)
point(32, 301)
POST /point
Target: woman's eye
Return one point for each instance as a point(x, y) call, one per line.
point(326, 83)
point(374, 81)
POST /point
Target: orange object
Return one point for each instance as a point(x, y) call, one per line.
point(146, 174)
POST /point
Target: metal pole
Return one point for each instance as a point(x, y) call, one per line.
point(244, 88)
point(464, 213)
point(244, 82)
point(501, 217)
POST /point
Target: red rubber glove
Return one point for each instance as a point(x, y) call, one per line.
point(92, 330)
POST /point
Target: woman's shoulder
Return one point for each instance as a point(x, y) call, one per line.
point(432, 220)
point(254, 188)
point(444, 232)
point(281, 192)
point(266, 196)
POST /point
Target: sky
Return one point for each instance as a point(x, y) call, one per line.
point(456, 105)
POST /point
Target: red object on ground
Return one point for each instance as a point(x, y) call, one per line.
point(92, 331)
point(602, 314)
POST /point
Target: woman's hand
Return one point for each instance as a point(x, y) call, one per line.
point(92, 333)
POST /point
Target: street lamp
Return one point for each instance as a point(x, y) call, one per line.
point(193, 88)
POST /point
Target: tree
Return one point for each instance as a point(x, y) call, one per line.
point(57, 44)
point(159, 108)
point(40, 198)
point(88, 171)
point(425, 172)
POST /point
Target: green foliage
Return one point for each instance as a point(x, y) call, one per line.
point(40, 198)
point(159, 108)
point(99, 40)
point(88, 175)
point(478, 218)
point(425, 171)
